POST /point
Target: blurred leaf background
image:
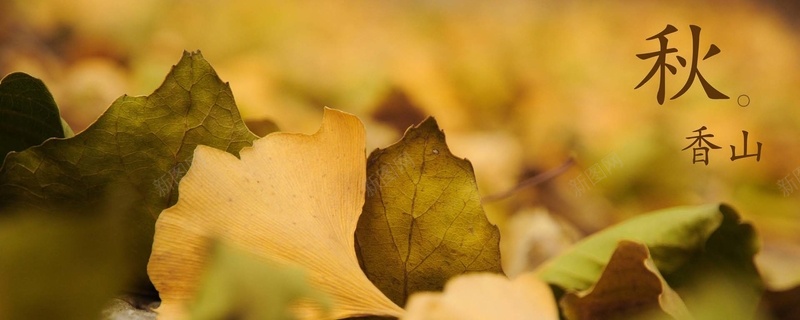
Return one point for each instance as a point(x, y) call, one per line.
point(518, 87)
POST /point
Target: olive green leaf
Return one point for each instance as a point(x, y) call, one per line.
point(146, 142)
point(239, 285)
point(422, 221)
point(28, 114)
point(629, 286)
point(687, 244)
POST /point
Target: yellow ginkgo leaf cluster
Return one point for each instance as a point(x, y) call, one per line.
point(295, 200)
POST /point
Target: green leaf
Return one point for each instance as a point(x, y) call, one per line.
point(29, 114)
point(62, 266)
point(422, 221)
point(145, 142)
point(688, 244)
point(239, 285)
point(629, 286)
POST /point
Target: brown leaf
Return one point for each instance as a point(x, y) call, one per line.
point(629, 286)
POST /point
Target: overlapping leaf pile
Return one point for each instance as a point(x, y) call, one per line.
point(307, 226)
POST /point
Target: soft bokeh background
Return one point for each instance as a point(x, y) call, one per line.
point(518, 87)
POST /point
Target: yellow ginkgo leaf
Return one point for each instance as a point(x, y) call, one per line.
point(293, 199)
point(484, 295)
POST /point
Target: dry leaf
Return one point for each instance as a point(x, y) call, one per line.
point(481, 296)
point(686, 245)
point(423, 222)
point(143, 142)
point(630, 285)
point(292, 198)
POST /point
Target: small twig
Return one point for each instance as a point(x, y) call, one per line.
point(532, 181)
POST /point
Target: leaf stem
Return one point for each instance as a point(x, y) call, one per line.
point(532, 181)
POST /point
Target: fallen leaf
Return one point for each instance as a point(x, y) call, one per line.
point(687, 245)
point(146, 142)
point(29, 114)
point(629, 286)
point(292, 198)
point(479, 296)
point(422, 222)
point(238, 285)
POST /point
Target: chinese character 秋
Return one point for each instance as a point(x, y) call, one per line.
point(699, 139)
point(744, 154)
point(661, 64)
